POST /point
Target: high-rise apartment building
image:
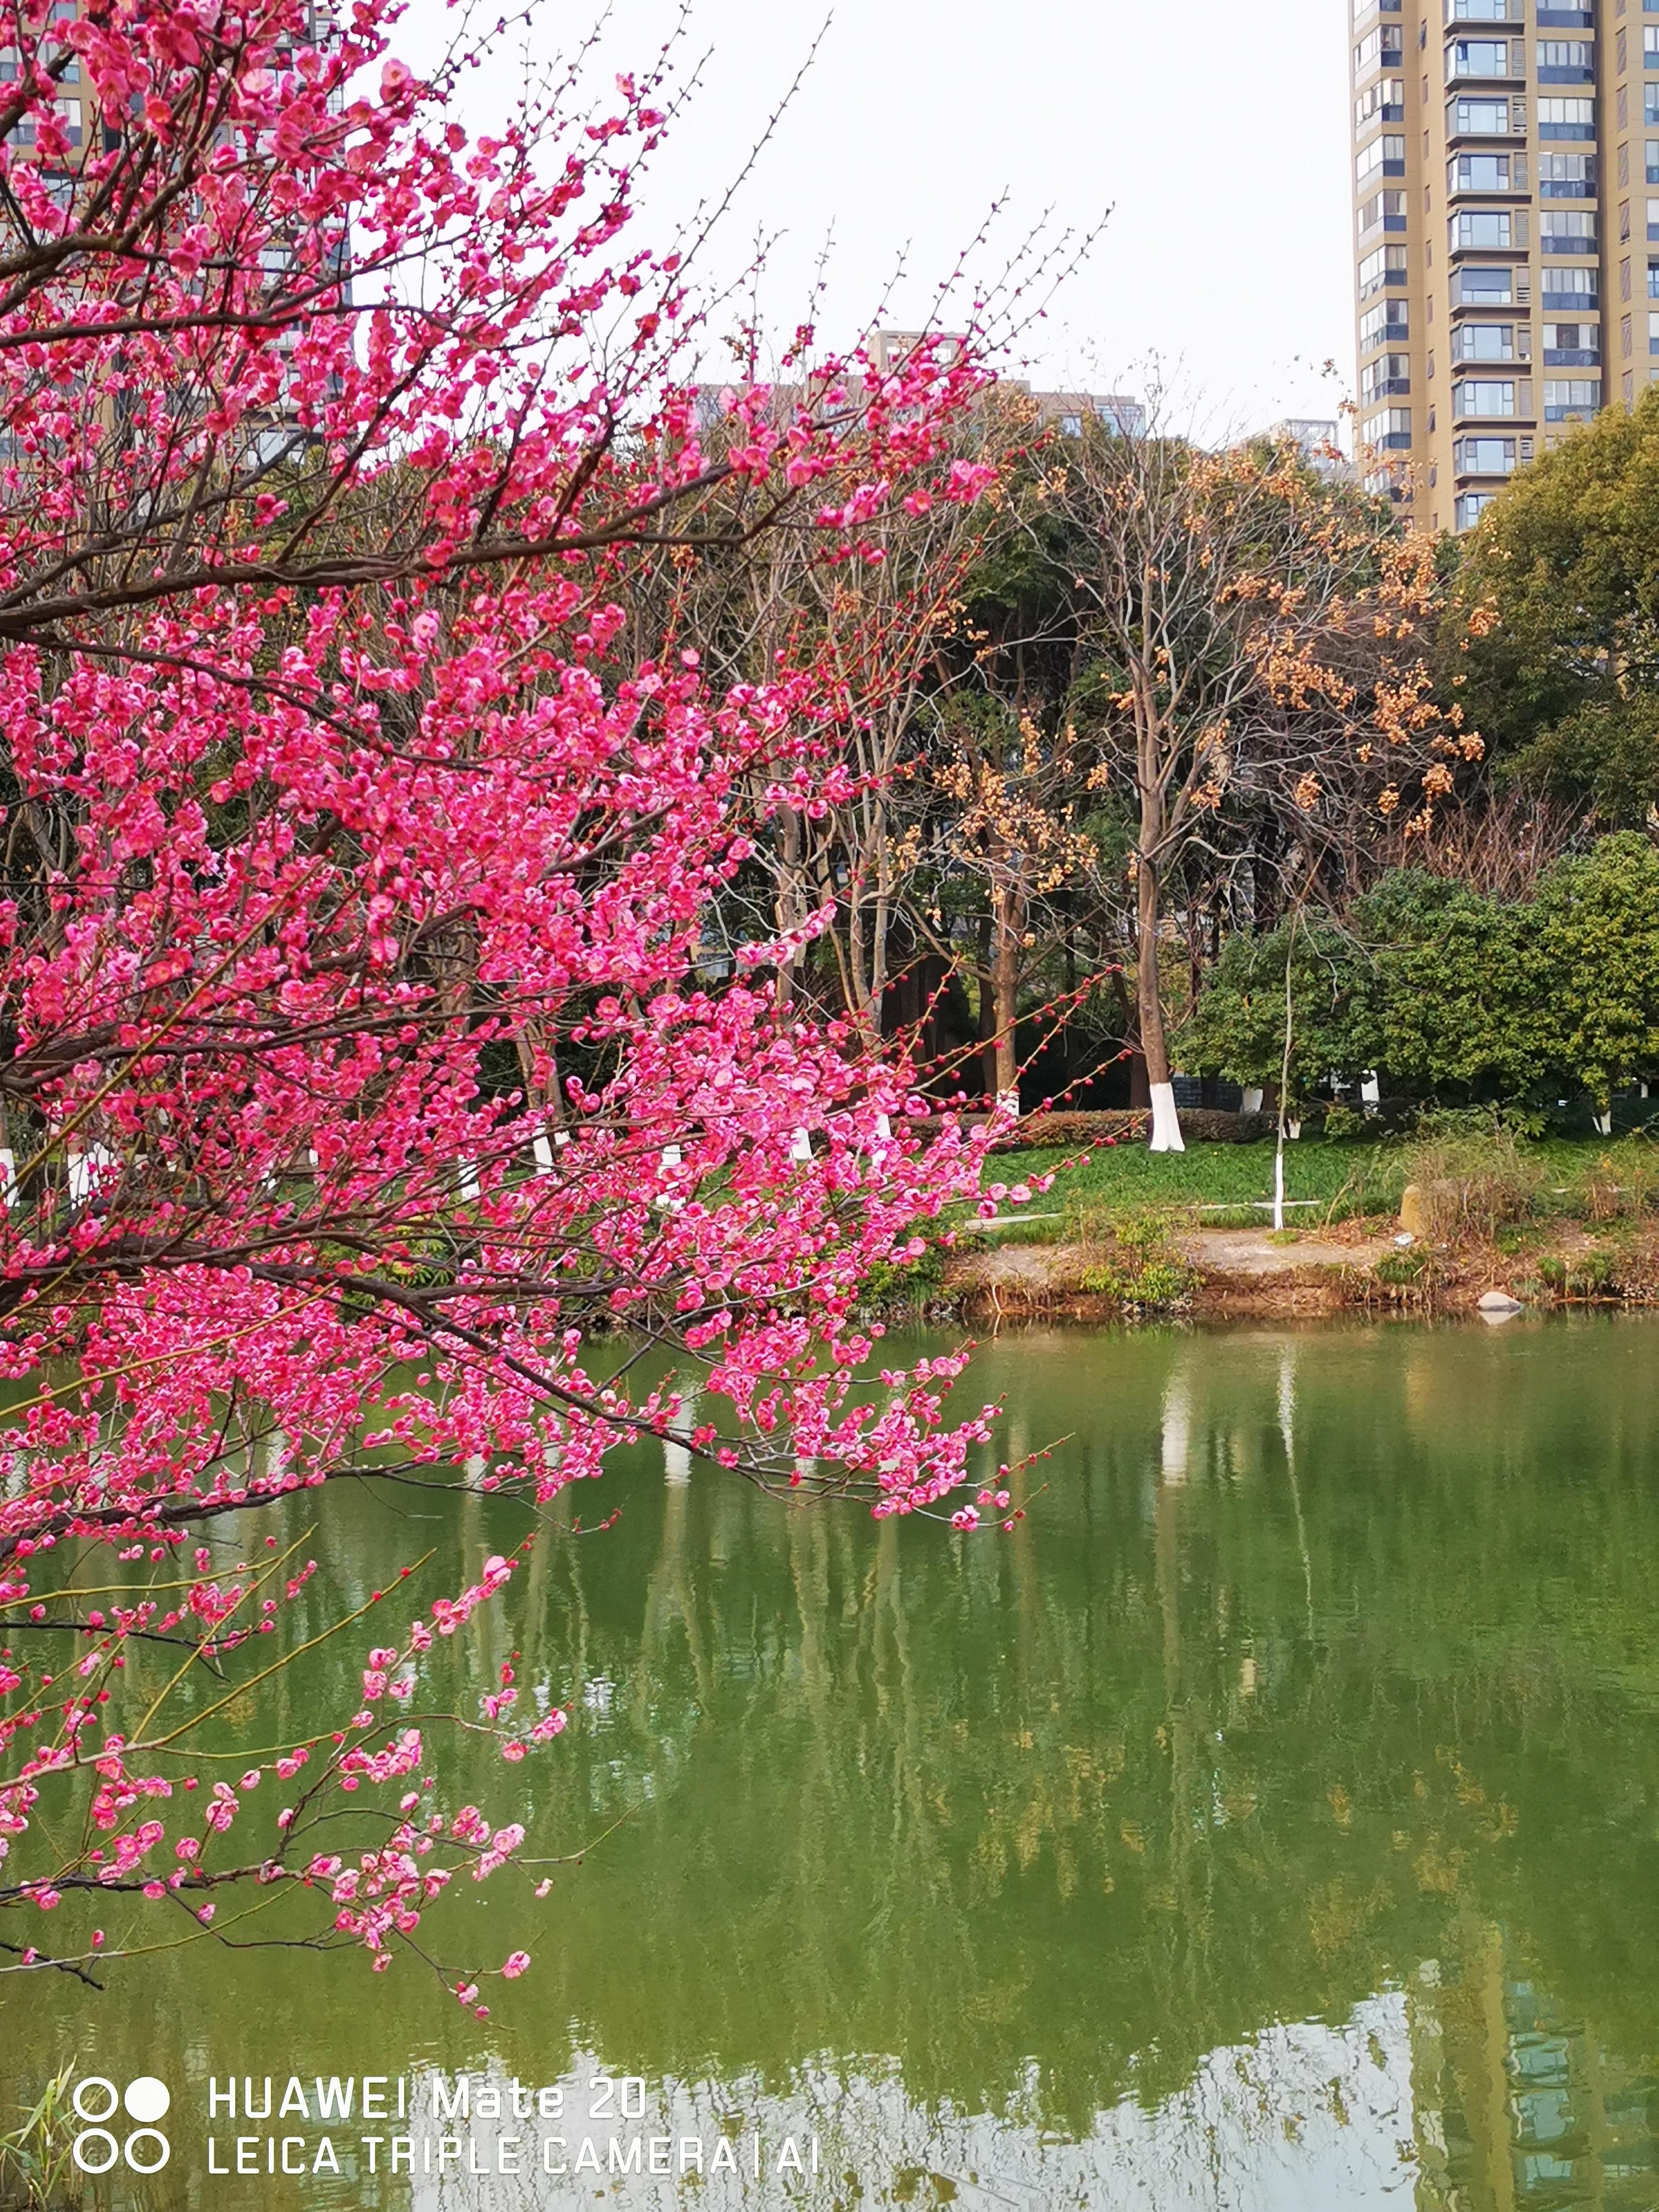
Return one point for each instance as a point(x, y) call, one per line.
point(1505, 247)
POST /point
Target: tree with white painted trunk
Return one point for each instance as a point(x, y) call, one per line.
point(1255, 677)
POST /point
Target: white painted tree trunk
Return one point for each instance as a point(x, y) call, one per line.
point(7, 1176)
point(469, 1179)
point(665, 1201)
point(800, 1148)
point(541, 1148)
point(83, 1168)
point(1279, 1186)
point(1370, 1092)
point(1251, 1103)
point(1604, 1124)
point(1166, 1122)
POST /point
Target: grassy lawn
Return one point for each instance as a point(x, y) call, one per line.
point(1343, 1178)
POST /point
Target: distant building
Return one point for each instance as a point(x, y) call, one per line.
point(1317, 442)
point(1067, 410)
point(1506, 252)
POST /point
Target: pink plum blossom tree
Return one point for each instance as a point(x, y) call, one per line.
point(357, 1066)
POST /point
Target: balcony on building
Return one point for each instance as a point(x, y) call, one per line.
point(1382, 49)
point(1484, 457)
point(1474, 120)
point(1482, 288)
point(1485, 231)
point(1486, 175)
point(1485, 399)
point(1471, 506)
point(1476, 343)
point(1566, 61)
point(1572, 345)
point(1382, 215)
point(1577, 125)
point(1572, 399)
point(1386, 326)
point(1486, 61)
point(1568, 300)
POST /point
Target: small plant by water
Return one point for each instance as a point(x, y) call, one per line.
point(36, 2173)
point(1133, 1262)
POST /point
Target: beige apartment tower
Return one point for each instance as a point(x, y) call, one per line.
point(1506, 248)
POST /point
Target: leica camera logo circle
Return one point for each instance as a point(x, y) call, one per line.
point(99, 2146)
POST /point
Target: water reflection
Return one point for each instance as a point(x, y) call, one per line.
point(1270, 1822)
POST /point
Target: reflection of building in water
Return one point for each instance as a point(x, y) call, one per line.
point(1516, 2105)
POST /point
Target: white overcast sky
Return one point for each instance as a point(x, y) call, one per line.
point(1212, 136)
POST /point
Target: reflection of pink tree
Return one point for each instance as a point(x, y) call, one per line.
point(355, 1070)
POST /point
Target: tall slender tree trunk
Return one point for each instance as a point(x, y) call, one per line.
point(1004, 987)
point(1166, 1122)
point(791, 901)
point(988, 1017)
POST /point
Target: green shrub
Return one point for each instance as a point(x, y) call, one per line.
point(1133, 1262)
point(1400, 1270)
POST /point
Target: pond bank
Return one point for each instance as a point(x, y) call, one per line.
point(1356, 1266)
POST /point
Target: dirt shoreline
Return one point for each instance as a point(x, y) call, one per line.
point(1355, 1267)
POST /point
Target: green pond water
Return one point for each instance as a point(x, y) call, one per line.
point(1272, 1822)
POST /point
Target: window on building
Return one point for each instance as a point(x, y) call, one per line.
point(1570, 287)
point(1479, 228)
point(1384, 49)
point(1479, 173)
point(1482, 288)
point(1561, 233)
point(1387, 377)
point(1563, 61)
point(1653, 280)
point(1388, 324)
point(1651, 46)
point(1572, 345)
point(1071, 426)
point(1383, 157)
point(1471, 506)
point(1479, 395)
point(1477, 11)
point(1483, 341)
point(1572, 396)
point(1390, 428)
point(1385, 267)
point(1384, 211)
point(1383, 102)
point(1481, 119)
point(1567, 119)
point(1568, 176)
point(1468, 58)
point(1484, 457)
point(1653, 332)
